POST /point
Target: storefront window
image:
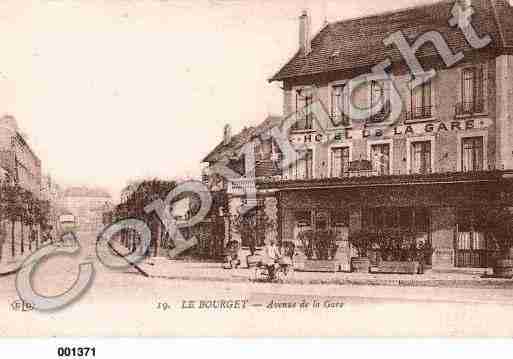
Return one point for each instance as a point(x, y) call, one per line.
point(408, 218)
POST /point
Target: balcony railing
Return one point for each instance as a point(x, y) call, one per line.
point(382, 115)
point(241, 186)
point(470, 108)
point(419, 113)
point(358, 172)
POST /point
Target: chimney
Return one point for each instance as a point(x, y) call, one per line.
point(305, 44)
point(465, 4)
point(227, 135)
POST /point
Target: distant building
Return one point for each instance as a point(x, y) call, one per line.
point(18, 163)
point(87, 205)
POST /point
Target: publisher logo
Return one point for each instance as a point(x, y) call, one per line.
point(21, 306)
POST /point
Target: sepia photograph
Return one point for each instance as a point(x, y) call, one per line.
point(243, 168)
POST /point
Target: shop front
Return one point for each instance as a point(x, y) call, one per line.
point(440, 213)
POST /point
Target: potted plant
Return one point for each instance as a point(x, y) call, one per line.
point(232, 255)
point(362, 241)
point(325, 245)
point(399, 250)
point(497, 224)
point(307, 244)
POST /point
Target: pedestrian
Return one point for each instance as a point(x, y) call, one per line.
point(272, 257)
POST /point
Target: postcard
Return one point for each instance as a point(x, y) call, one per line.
point(256, 169)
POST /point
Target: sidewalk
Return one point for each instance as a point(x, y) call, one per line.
point(195, 271)
point(9, 265)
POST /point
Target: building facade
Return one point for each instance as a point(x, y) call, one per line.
point(18, 162)
point(446, 158)
point(87, 205)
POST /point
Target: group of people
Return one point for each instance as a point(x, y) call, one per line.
point(274, 258)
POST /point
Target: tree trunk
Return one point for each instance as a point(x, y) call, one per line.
point(13, 249)
point(22, 245)
point(30, 238)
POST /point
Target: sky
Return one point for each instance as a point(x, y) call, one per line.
point(109, 91)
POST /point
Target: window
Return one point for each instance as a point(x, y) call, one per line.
point(339, 162)
point(304, 218)
point(417, 219)
point(304, 100)
point(380, 158)
point(472, 154)
point(380, 94)
point(421, 157)
point(303, 167)
point(472, 91)
point(421, 101)
point(340, 106)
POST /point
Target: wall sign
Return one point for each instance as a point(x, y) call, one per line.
point(391, 131)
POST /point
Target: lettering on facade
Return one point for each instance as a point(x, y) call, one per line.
point(406, 130)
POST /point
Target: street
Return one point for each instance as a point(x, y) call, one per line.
point(125, 303)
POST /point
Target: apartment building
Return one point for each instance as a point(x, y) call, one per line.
point(18, 162)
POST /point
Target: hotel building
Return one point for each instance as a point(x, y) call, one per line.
point(448, 156)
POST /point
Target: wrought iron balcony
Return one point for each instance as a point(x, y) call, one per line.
point(241, 186)
point(470, 108)
point(419, 113)
point(382, 115)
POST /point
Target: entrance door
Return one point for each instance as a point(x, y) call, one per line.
point(471, 249)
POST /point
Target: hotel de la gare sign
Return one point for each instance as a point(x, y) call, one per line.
point(388, 131)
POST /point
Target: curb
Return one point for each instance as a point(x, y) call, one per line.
point(490, 284)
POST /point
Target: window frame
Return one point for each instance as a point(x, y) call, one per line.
point(409, 144)
point(306, 99)
point(461, 137)
point(483, 68)
point(349, 147)
point(370, 144)
point(337, 119)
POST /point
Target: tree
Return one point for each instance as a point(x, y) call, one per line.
point(137, 197)
point(497, 224)
point(14, 209)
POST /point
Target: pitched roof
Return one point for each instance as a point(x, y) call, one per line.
point(348, 44)
point(239, 140)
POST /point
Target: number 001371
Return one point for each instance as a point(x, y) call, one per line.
point(79, 352)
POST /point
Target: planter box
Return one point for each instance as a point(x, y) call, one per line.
point(317, 266)
point(398, 267)
point(503, 268)
point(360, 265)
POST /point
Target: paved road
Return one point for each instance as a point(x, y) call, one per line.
point(124, 303)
